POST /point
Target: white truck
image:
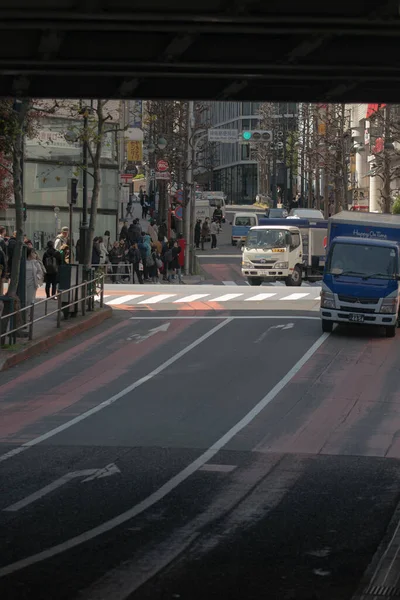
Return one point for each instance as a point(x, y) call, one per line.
point(286, 252)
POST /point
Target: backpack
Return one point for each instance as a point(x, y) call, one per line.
point(168, 256)
point(51, 265)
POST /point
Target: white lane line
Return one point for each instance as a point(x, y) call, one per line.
point(225, 298)
point(180, 477)
point(123, 299)
point(191, 298)
point(259, 297)
point(116, 397)
point(229, 283)
point(295, 296)
point(97, 298)
point(156, 299)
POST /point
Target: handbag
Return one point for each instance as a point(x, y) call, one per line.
point(140, 266)
point(159, 263)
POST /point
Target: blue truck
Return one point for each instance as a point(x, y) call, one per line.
point(362, 272)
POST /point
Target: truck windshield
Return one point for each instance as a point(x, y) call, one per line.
point(266, 238)
point(365, 261)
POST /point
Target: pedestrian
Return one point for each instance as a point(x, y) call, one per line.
point(107, 240)
point(34, 276)
point(96, 252)
point(205, 233)
point(176, 267)
point(181, 257)
point(3, 270)
point(151, 263)
point(103, 251)
point(116, 256)
point(129, 208)
point(214, 232)
point(3, 244)
point(62, 238)
point(197, 233)
point(65, 254)
point(135, 258)
point(152, 231)
point(10, 250)
point(123, 234)
point(146, 207)
point(52, 261)
point(169, 261)
point(142, 199)
point(144, 246)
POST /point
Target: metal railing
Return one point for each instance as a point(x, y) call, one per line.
point(106, 269)
point(83, 295)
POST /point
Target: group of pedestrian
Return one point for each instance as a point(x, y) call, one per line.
point(206, 230)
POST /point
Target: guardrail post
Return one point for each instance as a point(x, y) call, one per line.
point(59, 305)
point(84, 298)
point(31, 317)
point(102, 291)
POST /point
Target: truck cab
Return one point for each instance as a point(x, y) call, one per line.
point(361, 283)
point(273, 253)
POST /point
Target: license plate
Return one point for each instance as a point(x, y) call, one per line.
point(356, 318)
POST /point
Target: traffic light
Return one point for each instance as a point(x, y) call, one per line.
point(24, 209)
point(257, 135)
point(73, 191)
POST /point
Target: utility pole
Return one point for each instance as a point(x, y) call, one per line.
point(84, 228)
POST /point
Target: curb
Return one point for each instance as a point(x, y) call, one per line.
point(45, 343)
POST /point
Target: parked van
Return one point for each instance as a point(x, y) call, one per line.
point(241, 224)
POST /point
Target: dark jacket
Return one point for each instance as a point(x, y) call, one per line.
point(175, 260)
point(116, 255)
point(10, 251)
point(134, 256)
point(49, 253)
point(96, 253)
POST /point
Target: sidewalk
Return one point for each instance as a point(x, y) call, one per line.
point(46, 334)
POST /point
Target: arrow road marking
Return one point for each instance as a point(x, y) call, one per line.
point(90, 475)
point(281, 327)
point(140, 338)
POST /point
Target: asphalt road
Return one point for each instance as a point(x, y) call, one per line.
point(238, 454)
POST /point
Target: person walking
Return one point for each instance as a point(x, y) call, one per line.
point(61, 239)
point(116, 256)
point(197, 233)
point(205, 233)
point(135, 258)
point(51, 261)
point(214, 232)
point(34, 275)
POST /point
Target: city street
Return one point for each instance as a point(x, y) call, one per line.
point(193, 454)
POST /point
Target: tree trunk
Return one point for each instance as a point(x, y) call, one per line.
point(18, 196)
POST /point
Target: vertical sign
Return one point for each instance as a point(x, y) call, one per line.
point(134, 151)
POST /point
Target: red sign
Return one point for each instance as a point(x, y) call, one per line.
point(162, 166)
point(325, 242)
point(373, 109)
point(126, 177)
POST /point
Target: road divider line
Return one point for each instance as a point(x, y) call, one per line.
point(295, 296)
point(229, 283)
point(259, 297)
point(191, 298)
point(156, 299)
point(123, 299)
point(225, 298)
point(180, 477)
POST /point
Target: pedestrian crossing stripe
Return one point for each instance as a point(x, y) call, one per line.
point(207, 298)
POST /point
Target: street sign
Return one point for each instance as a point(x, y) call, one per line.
point(179, 212)
point(131, 170)
point(162, 166)
point(163, 175)
point(126, 177)
point(124, 193)
point(224, 136)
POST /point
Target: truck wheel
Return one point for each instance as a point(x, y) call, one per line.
point(327, 326)
point(295, 279)
point(254, 280)
point(390, 331)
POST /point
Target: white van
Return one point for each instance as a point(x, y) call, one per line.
point(241, 225)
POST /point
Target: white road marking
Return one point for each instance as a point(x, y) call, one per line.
point(214, 468)
point(225, 298)
point(90, 475)
point(191, 298)
point(265, 333)
point(97, 298)
point(140, 338)
point(156, 299)
point(116, 397)
point(229, 283)
point(213, 317)
point(123, 299)
point(219, 256)
point(259, 297)
point(295, 296)
point(180, 477)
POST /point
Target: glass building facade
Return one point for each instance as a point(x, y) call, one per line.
point(233, 171)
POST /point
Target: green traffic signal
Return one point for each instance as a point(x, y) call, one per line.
point(246, 135)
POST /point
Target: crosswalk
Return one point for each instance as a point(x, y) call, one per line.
point(243, 282)
point(181, 297)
